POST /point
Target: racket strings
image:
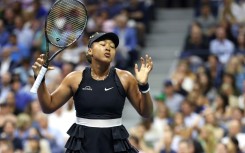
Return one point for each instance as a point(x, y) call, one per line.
point(66, 22)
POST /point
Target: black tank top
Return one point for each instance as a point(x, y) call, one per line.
point(103, 99)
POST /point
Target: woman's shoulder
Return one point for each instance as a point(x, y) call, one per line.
point(75, 73)
point(75, 76)
point(123, 73)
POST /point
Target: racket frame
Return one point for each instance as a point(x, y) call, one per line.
point(44, 68)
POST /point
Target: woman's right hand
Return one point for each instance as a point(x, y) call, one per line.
point(36, 67)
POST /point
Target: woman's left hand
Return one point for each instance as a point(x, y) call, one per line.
point(142, 73)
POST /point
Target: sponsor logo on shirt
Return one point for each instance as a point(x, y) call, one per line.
point(87, 88)
point(106, 89)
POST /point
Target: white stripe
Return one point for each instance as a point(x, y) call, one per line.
point(100, 123)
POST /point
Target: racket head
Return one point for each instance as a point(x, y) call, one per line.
point(65, 22)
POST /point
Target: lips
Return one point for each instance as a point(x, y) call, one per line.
point(107, 55)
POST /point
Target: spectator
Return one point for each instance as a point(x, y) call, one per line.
point(234, 130)
point(221, 46)
point(215, 70)
point(83, 62)
point(196, 44)
point(7, 64)
point(207, 139)
point(9, 130)
point(127, 52)
point(206, 85)
point(237, 114)
point(11, 103)
point(139, 132)
point(137, 14)
point(36, 28)
point(183, 147)
point(114, 7)
point(212, 121)
point(39, 10)
point(3, 34)
point(104, 23)
point(240, 47)
point(8, 18)
point(229, 90)
point(23, 125)
point(221, 148)
point(161, 119)
point(36, 143)
point(5, 146)
point(71, 54)
point(173, 100)
point(236, 68)
point(62, 115)
point(206, 20)
point(33, 109)
point(23, 98)
point(5, 86)
point(17, 50)
point(51, 134)
point(22, 70)
point(180, 128)
point(229, 11)
point(183, 77)
point(17, 7)
point(198, 99)
point(167, 141)
point(220, 105)
point(241, 98)
point(24, 34)
point(191, 119)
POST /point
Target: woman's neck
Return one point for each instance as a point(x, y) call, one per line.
point(100, 72)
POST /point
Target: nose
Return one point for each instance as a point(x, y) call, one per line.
point(107, 47)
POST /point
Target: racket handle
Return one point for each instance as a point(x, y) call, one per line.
point(39, 79)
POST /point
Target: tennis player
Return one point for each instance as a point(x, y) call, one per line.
point(99, 94)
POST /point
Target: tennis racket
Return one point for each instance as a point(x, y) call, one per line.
point(64, 24)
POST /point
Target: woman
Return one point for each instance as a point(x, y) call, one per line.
point(99, 94)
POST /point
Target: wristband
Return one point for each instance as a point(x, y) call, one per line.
point(35, 77)
point(144, 88)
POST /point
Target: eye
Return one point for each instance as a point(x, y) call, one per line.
point(112, 45)
point(102, 43)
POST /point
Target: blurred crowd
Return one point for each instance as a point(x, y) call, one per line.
point(23, 126)
point(201, 106)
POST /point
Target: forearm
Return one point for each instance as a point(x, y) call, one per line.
point(146, 105)
point(44, 98)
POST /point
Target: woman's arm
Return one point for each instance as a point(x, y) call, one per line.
point(51, 102)
point(141, 100)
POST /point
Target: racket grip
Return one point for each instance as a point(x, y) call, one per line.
point(38, 79)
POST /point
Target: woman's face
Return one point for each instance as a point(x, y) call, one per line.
point(241, 39)
point(210, 118)
point(103, 51)
point(204, 79)
point(162, 111)
point(218, 100)
point(178, 119)
point(221, 148)
point(183, 67)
